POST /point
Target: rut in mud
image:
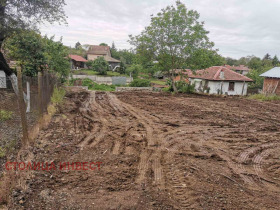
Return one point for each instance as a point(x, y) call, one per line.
point(158, 152)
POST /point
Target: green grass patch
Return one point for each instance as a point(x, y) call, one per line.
point(5, 115)
point(92, 72)
point(140, 83)
point(94, 86)
point(58, 95)
point(158, 82)
point(262, 97)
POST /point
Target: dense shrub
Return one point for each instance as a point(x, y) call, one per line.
point(140, 83)
point(184, 87)
point(100, 65)
point(94, 86)
point(134, 70)
point(58, 95)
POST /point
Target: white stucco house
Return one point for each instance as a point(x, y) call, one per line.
point(218, 80)
point(3, 83)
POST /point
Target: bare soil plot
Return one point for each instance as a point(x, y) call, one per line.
point(158, 151)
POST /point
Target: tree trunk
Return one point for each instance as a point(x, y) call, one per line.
point(8, 71)
point(173, 82)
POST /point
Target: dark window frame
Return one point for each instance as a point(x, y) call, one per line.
point(231, 86)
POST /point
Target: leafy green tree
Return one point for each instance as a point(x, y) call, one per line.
point(231, 61)
point(28, 48)
point(255, 63)
point(103, 44)
point(134, 70)
point(114, 51)
point(36, 53)
point(100, 65)
point(204, 58)
point(122, 68)
point(275, 61)
point(56, 54)
point(267, 57)
point(78, 45)
point(26, 14)
point(172, 37)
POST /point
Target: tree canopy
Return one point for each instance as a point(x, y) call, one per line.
point(36, 53)
point(173, 35)
point(26, 14)
point(100, 65)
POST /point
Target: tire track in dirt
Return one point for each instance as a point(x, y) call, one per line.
point(145, 156)
point(256, 156)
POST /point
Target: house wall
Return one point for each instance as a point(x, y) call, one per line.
point(91, 57)
point(217, 86)
point(271, 85)
point(3, 83)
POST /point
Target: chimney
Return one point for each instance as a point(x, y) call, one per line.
point(222, 74)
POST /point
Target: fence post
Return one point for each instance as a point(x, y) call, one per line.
point(40, 103)
point(22, 108)
point(28, 95)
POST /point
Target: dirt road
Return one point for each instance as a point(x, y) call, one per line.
point(158, 151)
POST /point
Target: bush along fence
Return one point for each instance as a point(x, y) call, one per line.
point(21, 110)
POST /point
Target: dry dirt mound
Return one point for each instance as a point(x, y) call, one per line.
point(158, 151)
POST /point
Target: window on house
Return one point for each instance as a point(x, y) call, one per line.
point(231, 86)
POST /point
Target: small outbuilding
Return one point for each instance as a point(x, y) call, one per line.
point(77, 62)
point(271, 84)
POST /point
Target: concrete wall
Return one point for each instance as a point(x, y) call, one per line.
point(217, 86)
point(104, 80)
point(271, 86)
point(3, 83)
point(122, 89)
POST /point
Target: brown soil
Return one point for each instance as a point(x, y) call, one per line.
point(158, 151)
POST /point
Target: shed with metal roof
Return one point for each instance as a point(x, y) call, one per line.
point(271, 84)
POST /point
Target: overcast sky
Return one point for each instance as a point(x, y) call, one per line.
point(237, 27)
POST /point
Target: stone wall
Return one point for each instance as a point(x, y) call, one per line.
point(106, 80)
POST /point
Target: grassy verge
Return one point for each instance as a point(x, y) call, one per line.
point(92, 72)
point(58, 95)
point(94, 86)
point(262, 97)
point(158, 82)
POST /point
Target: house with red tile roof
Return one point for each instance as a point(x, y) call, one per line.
point(96, 51)
point(241, 69)
point(77, 62)
point(217, 80)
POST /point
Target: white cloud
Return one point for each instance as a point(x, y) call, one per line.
point(237, 27)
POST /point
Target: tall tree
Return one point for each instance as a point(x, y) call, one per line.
point(26, 14)
point(267, 57)
point(172, 37)
point(114, 51)
point(275, 60)
point(103, 44)
point(78, 45)
point(202, 59)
